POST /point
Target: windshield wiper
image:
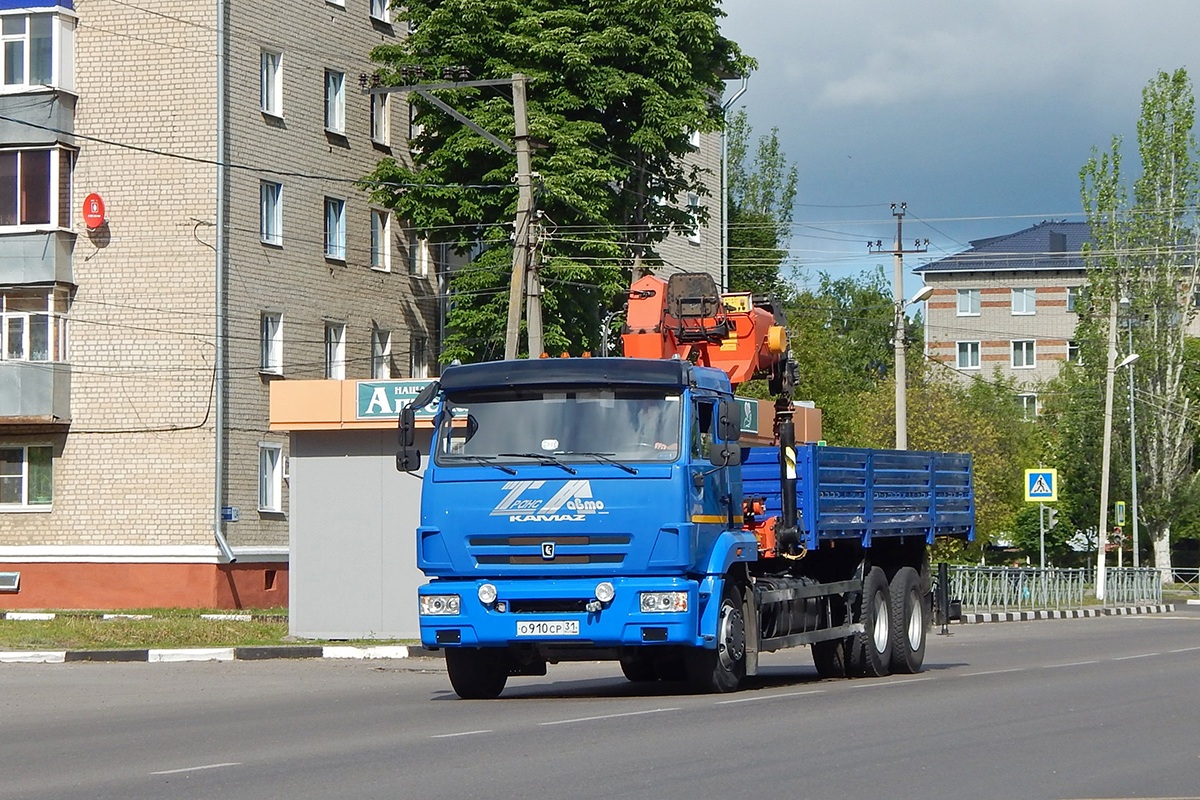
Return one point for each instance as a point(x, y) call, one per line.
point(483, 460)
point(599, 457)
point(545, 459)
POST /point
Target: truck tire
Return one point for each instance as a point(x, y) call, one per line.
point(909, 622)
point(638, 667)
point(871, 650)
point(723, 668)
point(829, 657)
point(477, 673)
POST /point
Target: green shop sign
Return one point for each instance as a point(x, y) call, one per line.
point(384, 399)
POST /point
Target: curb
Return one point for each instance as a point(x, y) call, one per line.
point(1081, 613)
point(216, 654)
point(47, 616)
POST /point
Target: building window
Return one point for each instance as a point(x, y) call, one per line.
point(381, 354)
point(35, 187)
point(694, 140)
point(380, 10)
point(26, 476)
point(335, 350)
point(1024, 300)
point(693, 202)
point(968, 355)
point(335, 228)
point(1073, 351)
point(31, 58)
point(968, 302)
point(1023, 355)
point(381, 240)
point(381, 126)
point(1029, 405)
point(33, 327)
point(1073, 298)
point(418, 362)
point(415, 129)
point(271, 338)
point(270, 477)
point(419, 258)
point(271, 90)
point(270, 224)
point(335, 101)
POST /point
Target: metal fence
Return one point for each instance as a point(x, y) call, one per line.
point(1187, 579)
point(1029, 589)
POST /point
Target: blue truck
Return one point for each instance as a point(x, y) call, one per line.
point(604, 509)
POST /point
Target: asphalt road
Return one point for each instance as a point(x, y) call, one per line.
point(1091, 708)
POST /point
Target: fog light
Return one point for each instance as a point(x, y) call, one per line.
point(605, 592)
point(439, 604)
point(663, 602)
point(487, 594)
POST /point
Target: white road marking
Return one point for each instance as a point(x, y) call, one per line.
point(462, 733)
point(768, 697)
point(1131, 658)
point(1184, 650)
point(1072, 664)
point(993, 672)
point(608, 716)
point(195, 769)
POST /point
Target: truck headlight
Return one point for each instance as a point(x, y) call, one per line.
point(487, 593)
point(605, 592)
point(658, 602)
point(440, 604)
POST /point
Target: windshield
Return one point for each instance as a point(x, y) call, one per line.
point(571, 426)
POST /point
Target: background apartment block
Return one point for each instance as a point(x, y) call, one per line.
point(128, 427)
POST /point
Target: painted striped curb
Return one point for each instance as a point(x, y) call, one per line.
point(1077, 613)
point(262, 653)
point(47, 616)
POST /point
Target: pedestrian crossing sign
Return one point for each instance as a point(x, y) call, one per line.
point(1041, 485)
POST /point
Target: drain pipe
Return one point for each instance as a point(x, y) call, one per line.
point(219, 293)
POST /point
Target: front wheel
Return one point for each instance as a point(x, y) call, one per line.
point(477, 673)
point(909, 622)
point(723, 668)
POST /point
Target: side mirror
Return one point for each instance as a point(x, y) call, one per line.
point(729, 417)
point(408, 459)
point(407, 429)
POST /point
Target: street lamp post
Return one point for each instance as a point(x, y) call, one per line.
point(1133, 505)
point(901, 367)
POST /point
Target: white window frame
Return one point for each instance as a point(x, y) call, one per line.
point(270, 477)
point(1029, 405)
point(18, 322)
point(22, 479)
point(1027, 348)
point(969, 349)
point(381, 354)
point(693, 207)
point(1074, 293)
point(381, 10)
point(270, 199)
point(270, 98)
point(335, 101)
point(418, 360)
point(420, 258)
point(1024, 301)
point(271, 343)
point(335, 228)
point(58, 190)
point(381, 240)
point(694, 140)
point(58, 66)
point(335, 350)
point(969, 302)
point(415, 129)
point(1073, 351)
point(381, 119)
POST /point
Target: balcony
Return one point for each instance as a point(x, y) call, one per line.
point(35, 393)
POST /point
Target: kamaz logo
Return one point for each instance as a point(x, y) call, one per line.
point(524, 503)
point(548, 551)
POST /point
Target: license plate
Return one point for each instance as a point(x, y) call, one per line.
point(548, 627)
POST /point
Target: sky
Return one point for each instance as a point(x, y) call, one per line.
point(978, 114)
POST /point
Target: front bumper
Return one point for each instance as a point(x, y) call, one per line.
point(618, 622)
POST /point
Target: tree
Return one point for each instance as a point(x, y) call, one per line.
point(1147, 255)
point(615, 87)
point(758, 208)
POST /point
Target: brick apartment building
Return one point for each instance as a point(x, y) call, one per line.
point(126, 433)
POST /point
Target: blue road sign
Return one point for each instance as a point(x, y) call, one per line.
point(1041, 485)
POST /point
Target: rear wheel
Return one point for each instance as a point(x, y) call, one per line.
point(909, 618)
point(723, 668)
point(477, 673)
point(871, 650)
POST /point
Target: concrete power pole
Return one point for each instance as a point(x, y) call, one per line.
point(901, 367)
point(523, 235)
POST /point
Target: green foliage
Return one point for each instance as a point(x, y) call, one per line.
point(614, 88)
point(759, 207)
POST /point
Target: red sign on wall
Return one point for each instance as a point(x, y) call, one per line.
point(93, 211)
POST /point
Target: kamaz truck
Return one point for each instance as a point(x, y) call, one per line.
point(605, 509)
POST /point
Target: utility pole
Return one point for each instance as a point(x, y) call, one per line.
point(901, 367)
point(1106, 449)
